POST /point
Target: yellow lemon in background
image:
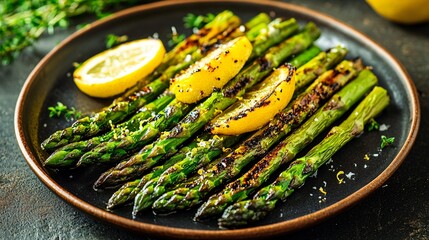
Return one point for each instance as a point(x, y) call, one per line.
point(403, 11)
point(113, 71)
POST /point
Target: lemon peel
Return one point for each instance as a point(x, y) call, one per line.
point(339, 178)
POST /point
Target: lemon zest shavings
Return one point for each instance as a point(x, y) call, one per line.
point(225, 150)
point(340, 179)
point(323, 191)
point(366, 157)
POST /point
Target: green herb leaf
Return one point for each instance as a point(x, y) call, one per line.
point(61, 109)
point(197, 21)
point(386, 141)
point(72, 114)
point(57, 110)
point(113, 40)
point(373, 125)
point(76, 65)
point(175, 39)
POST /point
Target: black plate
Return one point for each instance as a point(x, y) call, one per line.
point(51, 81)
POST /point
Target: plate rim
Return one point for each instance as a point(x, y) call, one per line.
point(257, 231)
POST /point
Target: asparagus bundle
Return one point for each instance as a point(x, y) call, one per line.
point(182, 169)
point(258, 144)
point(244, 212)
point(123, 147)
point(128, 191)
point(213, 147)
point(201, 154)
point(208, 109)
point(68, 155)
point(290, 147)
point(152, 109)
point(90, 126)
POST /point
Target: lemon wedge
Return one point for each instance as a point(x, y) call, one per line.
point(211, 72)
point(405, 12)
point(258, 106)
point(111, 72)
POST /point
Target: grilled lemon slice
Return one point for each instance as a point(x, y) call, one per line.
point(212, 71)
point(259, 105)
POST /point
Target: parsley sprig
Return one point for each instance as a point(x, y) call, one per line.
point(373, 125)
point(197, 21)
point(62, 110)
point(191, 21)
point(113, 40)
point(386, 141)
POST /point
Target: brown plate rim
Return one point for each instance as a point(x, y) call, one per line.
point(258, 231)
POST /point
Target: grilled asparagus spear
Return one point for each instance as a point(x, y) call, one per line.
point(257, 145)
point(288, 148)
point(202, 154)
point(205, 111)
point(244, 212)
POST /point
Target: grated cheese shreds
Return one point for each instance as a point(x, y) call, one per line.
point(350, 175)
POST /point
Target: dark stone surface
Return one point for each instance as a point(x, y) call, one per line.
point(398, 210)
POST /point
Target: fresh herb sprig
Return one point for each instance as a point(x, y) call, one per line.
point(113, 40)
point(386, 141)
point(191, 21)
point(62, 110)
point(23, 22)
point(373, 125)
point(197, 21)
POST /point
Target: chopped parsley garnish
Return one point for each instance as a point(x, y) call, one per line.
point(175, 37)
point(373, 125)
point(61, 109)
point(72, 113)
point(113, 40)
point(386, 141)
point(197, 21)
point(191, 21)
point(58, 110)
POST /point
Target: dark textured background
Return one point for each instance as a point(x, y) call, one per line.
point(398, 210)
